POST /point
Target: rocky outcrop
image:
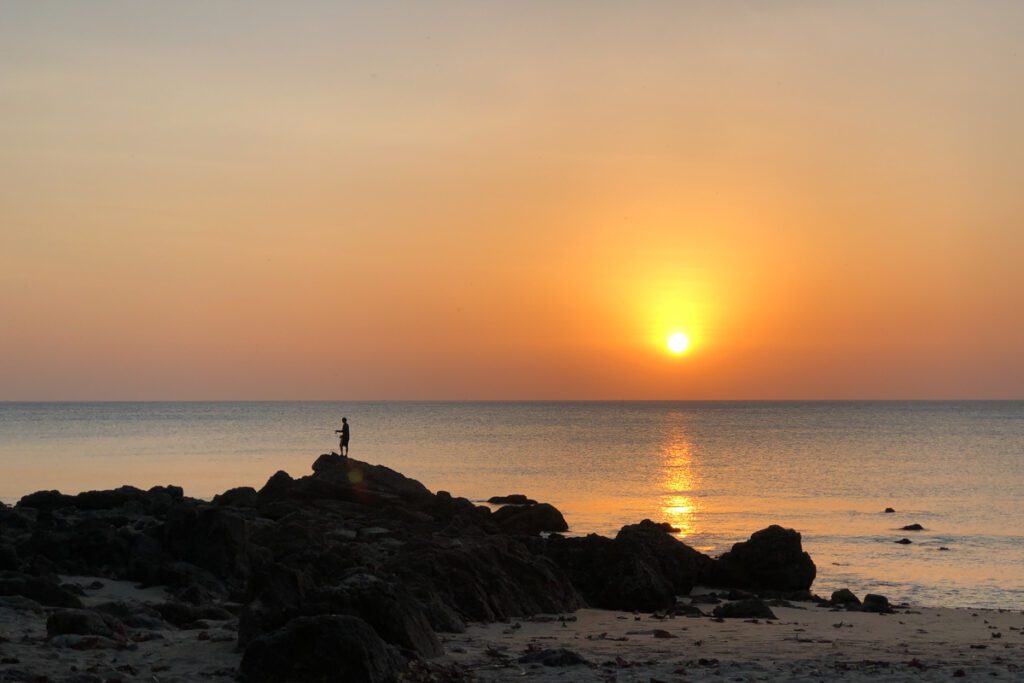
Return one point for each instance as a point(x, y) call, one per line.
point(773, 559)
point(348, 573)
point(642, 568)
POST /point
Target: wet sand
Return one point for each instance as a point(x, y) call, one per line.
point(806, 642)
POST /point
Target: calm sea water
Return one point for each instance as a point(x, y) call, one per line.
point(718, 471)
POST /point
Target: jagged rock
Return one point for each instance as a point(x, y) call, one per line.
point(773, 559)
point(511, 499)
point(276, 488)
point(321, 649)
point(844, 596)
point(752, 608)
point(84, 622)
point(529, 520)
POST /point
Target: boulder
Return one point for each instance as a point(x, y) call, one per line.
point(773, 559)
point(529, 520)
point(845, 597)
point(889, 511)
point(912, 527)
point(83, 622)
point(321, 649)
point(752, 608)
point(876, 603)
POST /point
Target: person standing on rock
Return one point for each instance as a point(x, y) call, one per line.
point(343, 447)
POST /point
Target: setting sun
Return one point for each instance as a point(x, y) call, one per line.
point(678, 342)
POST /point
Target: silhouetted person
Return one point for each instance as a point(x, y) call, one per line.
point(344, 436)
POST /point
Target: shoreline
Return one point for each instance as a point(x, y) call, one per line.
point(357, 572)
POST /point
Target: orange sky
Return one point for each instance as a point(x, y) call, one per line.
point(511, 200)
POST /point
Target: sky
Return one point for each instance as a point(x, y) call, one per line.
point(477, 200)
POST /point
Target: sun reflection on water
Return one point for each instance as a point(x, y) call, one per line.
point(678, 507)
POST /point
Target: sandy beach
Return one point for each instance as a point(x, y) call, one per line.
point(806, 642)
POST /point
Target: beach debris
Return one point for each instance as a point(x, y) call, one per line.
point(744, 609)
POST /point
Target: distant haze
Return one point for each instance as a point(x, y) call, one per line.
point(511, 200)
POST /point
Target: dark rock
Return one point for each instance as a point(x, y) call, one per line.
point(904, 541)
point(529, 520)
point(46, 593)
point(554, 657)
point(876, 603)
point(84, 622)
point(889, 510)
point(684, 610)
point(511, 499)
point(844, 596)
point(19, 603)
point(943, 548)
point(45, 500)
point(753, 608)
point(276, 488)
point(9, 559)
point(75, 641)
point(389, 608)
point(643, 568)
point(241, 497)
point(321, 649)
point(366, 479)
point(773, 559)
point(482, 578)
point(213, 538)
point(912, 527)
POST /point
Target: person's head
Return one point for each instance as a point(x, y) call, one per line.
point(344, 419)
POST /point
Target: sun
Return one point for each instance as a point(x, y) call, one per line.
point(678, 342)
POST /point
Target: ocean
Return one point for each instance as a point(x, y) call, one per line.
point(718, 471)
